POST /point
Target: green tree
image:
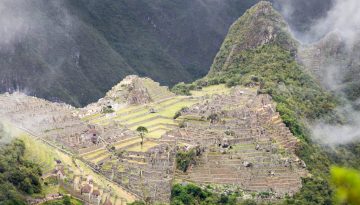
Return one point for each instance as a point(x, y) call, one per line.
point(184, 159)
point(142, 132)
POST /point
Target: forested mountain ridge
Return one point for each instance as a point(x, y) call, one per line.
point(74, 51)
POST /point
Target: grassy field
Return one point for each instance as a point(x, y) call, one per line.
point(95, 153)
point(145, 147)
point(127, 143)
point(211, 90)
point(156, 133)
point(39, 153)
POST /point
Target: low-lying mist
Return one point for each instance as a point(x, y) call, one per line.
point(343, 21)
point(34, 34)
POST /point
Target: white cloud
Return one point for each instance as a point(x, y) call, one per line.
point(343, 18)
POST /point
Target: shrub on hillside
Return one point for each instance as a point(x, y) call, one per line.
point(184, 159)
point(107, 110)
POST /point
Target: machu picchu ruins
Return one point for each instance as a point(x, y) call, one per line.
point(239, 138)
point(197, 102)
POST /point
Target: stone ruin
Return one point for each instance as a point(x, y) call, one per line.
point(247, 146)
point(132, 90)
point(148, 174)
point(240, 137)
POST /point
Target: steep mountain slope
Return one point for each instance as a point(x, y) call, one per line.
point(57, 56)
point(260, 25)
point(74, 51)
point(186, 32)
point(239, 136)
point(266, 59)
point(259, 51)
point(264, 56)
point(335, 63)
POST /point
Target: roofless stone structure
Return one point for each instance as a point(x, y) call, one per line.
point(239, 138)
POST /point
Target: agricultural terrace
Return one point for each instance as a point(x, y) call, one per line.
point(157, 117)
point(45, 156)
point(161, 120)
point(157, 122)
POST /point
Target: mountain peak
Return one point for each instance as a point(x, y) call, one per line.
point(260, 25)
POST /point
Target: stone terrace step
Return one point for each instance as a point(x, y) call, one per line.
point(147, 120)
point(124, 144)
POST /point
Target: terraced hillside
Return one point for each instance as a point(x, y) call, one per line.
point(45, 155)
point(144, 167)
point(156, 115)
point(240, 139)
point(246, 145)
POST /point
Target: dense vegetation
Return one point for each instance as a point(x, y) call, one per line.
point(18, 177)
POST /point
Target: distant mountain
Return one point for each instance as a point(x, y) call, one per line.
point(335, 64)
point(74, 51)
